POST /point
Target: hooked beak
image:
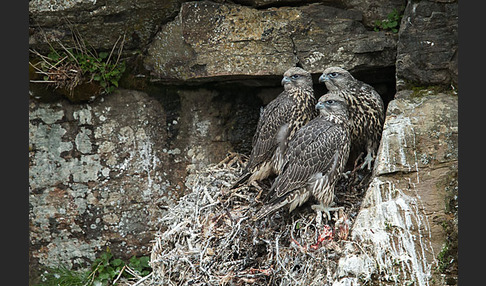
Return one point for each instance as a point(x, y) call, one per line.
point(285, 80)
point(320, 105)
point(323, 78)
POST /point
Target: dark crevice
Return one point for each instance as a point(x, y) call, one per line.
point(294, 50)
point(245, 95)
point(289, 3)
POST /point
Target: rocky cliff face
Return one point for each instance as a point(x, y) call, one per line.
point(99, 173)
point(103, 173)
point(211, 40)
point(428, 58)
point(100, 22)
point(400, 228)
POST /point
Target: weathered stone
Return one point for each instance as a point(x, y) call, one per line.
point(399, 229)
point(214, 40)
point(100, 23)
point(375, 10)
point(104, 172)
point(427, 50)
point(97, 177)
point(207, 123)
point(279, 3)
point(336, 37)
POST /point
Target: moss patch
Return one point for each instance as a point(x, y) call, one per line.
point(421, 91)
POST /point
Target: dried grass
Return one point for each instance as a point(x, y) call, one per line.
point(208, 238)
point(61, 74)
point(66, 68)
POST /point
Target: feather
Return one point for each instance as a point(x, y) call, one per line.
point(278, 122)
point(366, 110)
point(314, 160)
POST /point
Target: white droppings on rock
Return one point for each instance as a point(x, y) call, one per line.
point(391, 230)
point(397, 133)
point(356, 265)
point(398, 148)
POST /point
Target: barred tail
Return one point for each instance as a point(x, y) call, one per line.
point(268, 209)
point(275, 203)
point(241, 180)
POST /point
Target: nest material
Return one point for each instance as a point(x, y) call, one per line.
point(209, 238)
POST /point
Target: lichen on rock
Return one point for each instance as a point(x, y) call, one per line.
point(95, 173)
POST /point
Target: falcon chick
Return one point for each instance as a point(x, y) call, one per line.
point(314, 161)
point(278, 122)
point(366, 110)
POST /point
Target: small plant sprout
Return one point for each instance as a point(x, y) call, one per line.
point(391, 23)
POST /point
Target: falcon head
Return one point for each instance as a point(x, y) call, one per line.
point(332, 104)
point(296, 77)
point(336, 78)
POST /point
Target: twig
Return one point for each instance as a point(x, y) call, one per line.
point(119, 275)
point(112, 49)
point(277, 257)
point(234, 232)
point(120, 51)
point(201, 255)
point(67, 51)
point(206, 194)
point(92, 275)
point(78, 40)
point(46, 60)
point(42, 81)
point(132, 272)
point(143, 279)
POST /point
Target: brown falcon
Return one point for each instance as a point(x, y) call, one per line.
point(366, 110)
point(278, 122)
point(314, 160)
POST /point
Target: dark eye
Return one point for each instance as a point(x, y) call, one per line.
point(333, 74)
point(330, 101)
point(294, 76)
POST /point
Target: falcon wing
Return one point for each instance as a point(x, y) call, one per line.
point(274, 116)
point(314, 150)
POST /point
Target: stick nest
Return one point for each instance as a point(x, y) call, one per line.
point(209, 238)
